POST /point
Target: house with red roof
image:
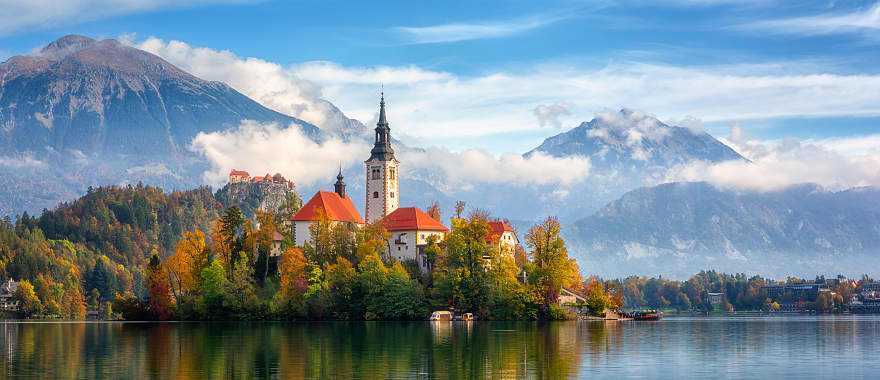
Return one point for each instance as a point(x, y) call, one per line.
point(236, 176)
point(410, 229)
point(502, 234)
point(336, 205)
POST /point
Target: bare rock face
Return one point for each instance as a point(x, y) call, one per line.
point(100, 97)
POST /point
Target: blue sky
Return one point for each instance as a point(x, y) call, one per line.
point(761, 65)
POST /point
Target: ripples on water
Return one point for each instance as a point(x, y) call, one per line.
point(801, 347)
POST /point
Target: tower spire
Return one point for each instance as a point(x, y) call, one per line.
point(382, 150)
point(339, 186)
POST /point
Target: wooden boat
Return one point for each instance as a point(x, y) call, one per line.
point(647, 315)
point(642, 315)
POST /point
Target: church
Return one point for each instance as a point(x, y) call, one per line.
point(410, 228)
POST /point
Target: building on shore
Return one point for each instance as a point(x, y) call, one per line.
point(410, 230)
point(502, 234)
point(335, 206)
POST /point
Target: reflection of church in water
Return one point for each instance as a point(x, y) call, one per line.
point(409, 227)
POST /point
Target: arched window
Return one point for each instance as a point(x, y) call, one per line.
point(392, 194)
point(375, 194)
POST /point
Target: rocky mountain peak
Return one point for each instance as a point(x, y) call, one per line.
point(66, 45)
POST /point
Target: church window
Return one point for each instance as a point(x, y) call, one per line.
point(377, 174)
point(391, 173)
point(375, 194)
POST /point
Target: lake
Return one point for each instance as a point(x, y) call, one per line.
point(772, 347)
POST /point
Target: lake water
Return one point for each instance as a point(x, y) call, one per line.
point(802, 347)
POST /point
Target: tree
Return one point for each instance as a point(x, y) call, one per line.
point(212, 287)
point(552, 269)
point(241, 296)
point(597, 299)
point(265, 237)
point(459, 209)
point(434, 211)
point(28, 303)
point(190, 257)
point(161, 301)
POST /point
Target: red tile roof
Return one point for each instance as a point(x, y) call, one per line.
point(411, 219)
point(498, 228)
point(239, 173)
point(337, 208)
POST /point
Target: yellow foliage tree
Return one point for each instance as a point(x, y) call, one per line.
point(190, 257)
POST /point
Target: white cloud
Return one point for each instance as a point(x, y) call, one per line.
point(258, 148)
point(855, 21)
point(439, 107)
point(16, 15)
point(269, 83)
point(21, 161)
point(466, 168)
point(778, 164)
point(550, 115)
point(454, 32)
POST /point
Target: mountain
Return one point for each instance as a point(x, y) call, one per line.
point(630, 139)
point(104, 97)
point(627, 150)
point(82, 112)
point(678, 229)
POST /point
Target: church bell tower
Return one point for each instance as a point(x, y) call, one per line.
point(383, 195)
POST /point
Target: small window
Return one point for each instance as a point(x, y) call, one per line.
point(391, 173)
point(377, 173)
point(375, 194)
point(398, 248)
point(392, 194)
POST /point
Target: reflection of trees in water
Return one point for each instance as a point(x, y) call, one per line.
point(300, 350)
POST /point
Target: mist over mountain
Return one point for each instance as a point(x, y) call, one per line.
point(680, 228)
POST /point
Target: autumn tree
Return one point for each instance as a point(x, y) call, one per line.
point(551, 268)
point(28, 303)
point(161, 301)
point(294, 282)
point(190, 257)
point(434, 211)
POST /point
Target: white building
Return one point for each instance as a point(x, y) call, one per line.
point(410, 229)
point(337, 206)
point(502, 234)
point(382, 169)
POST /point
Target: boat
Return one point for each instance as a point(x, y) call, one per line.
point(441, 315)
point(642, 315)
point(647, 315)
point(465, 317)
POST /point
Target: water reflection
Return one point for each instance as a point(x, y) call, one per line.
point(673, 348)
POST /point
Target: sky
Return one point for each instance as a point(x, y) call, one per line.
point(502, 76)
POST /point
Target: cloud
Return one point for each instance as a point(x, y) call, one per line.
point(779, 164)
point(455, 32)
point(549, 115)
point(269, 83)
point(21, 161)
point(258, 148)
point(855, 21)
point(469, 167)
point(442, 108)
point(17, 15)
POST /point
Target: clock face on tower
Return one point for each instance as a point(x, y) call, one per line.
point(382, 168)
